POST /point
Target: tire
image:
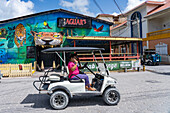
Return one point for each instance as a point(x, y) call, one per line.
point(111, 96)
point(59, 100)
point(150, 63)
point(157, 63)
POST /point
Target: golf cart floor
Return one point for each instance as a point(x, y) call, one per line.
point(87, 92)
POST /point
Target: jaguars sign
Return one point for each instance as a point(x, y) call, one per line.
point(74, 22)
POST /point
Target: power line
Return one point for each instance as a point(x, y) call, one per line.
point(98, 6)
point(118, 7)
point(120, 33)
point(100, 9)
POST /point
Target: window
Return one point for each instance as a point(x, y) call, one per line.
point(161, 48)
point(136, 25)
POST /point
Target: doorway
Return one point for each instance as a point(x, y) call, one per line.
point(45, 57)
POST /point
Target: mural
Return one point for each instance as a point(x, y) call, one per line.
point(97, 29)
point(20, 35)
point(10, 36)
point(3, 58)
point(46, 26)
point(47, 38)
point(3, 33)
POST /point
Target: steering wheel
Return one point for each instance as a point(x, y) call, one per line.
point(85, 65)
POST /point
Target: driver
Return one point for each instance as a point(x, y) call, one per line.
point(74, 70)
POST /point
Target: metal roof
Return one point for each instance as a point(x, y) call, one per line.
point(54, 11)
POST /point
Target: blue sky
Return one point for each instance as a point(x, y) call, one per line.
point(16, 8)
point(107, 6)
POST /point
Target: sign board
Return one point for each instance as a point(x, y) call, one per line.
point(136, 63)
point(111, 66)
point(74, 22)
point(126, 64)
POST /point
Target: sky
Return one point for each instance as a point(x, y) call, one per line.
point(16, 8)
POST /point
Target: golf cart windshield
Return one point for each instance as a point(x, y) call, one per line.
point(65, 50)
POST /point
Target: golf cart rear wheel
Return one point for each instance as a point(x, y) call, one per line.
point(111, 96)
point(59, 100)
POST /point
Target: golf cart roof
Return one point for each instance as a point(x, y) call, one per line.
point(71, 49)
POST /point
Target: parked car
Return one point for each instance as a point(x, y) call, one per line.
point(150, 57)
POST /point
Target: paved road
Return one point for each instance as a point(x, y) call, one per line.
point(141, 92)
point(159, 69)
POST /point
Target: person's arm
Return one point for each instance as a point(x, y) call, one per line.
point(74, 67)
point(80, 67)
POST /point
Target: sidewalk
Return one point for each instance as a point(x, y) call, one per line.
point(161, 69)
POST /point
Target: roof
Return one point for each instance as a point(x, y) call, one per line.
point(147, 2)
point(105, 38)
point(123, 23)
point(161, 8)
point(108, 15)
point(54, 11)
point(71, 49)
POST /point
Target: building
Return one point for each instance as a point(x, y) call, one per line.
point(22, 39)
point(149, 21)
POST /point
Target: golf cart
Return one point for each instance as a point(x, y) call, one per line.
point(61, 88)
point(150, 57)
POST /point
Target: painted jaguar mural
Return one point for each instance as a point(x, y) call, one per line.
point(47, 38)
point(20, 35)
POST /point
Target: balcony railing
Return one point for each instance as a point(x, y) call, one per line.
point(160, 34)
point(109, 56)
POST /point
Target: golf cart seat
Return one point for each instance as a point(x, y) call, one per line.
point(56, 78)
point(75, 81)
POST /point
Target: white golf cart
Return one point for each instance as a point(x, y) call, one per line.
point(61, 88)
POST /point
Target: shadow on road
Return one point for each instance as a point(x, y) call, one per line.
point(161, 73)
point(42, 101)
point(38, 101)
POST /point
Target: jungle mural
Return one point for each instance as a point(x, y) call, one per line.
point(17, 36)
point(10, 36)
point(3, 33)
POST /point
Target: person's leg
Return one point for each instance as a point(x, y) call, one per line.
point(82, 76)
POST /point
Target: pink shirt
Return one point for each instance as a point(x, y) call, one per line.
point(76, 71)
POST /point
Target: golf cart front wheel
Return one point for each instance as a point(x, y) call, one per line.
point(59, 100)
point(111, 96)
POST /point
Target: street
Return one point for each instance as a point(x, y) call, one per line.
point(141, 92)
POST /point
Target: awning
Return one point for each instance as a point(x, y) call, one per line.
point(105, 38)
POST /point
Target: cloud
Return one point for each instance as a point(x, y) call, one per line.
point(115, 14)
point(15, 8)
point(78, 6)
point(133, 3)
